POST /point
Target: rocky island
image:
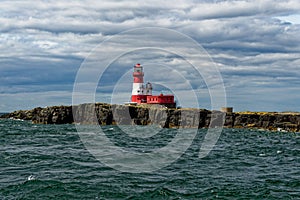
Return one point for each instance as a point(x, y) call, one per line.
point(112, 114)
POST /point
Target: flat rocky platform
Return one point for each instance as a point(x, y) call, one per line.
point(107, 114)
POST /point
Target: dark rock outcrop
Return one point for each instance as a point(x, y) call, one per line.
point(106, 114)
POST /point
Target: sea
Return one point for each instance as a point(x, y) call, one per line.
point(53, 162)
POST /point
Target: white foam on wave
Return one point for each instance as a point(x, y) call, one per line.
point(30, 178)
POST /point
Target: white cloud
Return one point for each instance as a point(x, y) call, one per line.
point(294, 19)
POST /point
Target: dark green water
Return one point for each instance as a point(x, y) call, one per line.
point(50, 162)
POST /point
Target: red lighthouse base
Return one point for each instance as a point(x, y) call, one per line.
point(139, 98)
point(167, 100)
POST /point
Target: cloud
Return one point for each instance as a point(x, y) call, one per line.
point(29, 100)
point(254, 44)
point(293, 19)
point(232, 9)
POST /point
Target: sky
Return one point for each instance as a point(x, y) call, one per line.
point(253, 44)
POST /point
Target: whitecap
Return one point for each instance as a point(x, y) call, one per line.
point(30, 178)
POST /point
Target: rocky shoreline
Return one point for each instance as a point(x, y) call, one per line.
point(107, 114)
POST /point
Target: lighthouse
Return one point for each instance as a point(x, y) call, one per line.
point(142, 94)
point(139, 92)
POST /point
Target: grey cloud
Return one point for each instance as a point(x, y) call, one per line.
point(44, 42)
point(231, 9)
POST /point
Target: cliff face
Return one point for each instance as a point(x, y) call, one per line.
point(106, 114)
point(48, 115)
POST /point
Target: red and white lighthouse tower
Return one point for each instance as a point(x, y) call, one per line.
point(143, 94)
point(139, 93)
